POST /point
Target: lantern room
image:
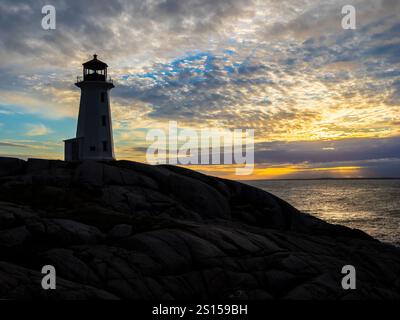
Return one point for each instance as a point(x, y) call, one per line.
point(95, 70)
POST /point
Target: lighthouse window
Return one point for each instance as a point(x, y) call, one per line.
point(103, 121)
point(103, 96)
point(105, 146)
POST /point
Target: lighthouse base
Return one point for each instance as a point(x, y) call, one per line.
point(75, 151)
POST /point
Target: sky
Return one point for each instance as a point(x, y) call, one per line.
point(323, 101)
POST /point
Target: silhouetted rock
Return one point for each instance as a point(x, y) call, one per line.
point(129, 230)
point(120, 231)
point(11, 166)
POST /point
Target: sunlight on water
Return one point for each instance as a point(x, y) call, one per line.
point(369, 205)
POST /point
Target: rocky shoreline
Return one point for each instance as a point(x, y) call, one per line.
point(127, 230)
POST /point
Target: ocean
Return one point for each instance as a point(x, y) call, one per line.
point(369, 205)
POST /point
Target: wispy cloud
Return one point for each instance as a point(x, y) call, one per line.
point(9, 144)
point(37, 130)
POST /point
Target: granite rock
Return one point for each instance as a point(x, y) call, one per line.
point(126, 230)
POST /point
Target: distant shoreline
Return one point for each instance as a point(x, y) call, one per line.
point(318, 179)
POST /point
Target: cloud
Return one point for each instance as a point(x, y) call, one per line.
point(5, 112)
point(125, 24)
point(327, 151)
point(286, 69)
point(37, 130)
point(9, 144)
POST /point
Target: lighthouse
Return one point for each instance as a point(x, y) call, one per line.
point(94, 136)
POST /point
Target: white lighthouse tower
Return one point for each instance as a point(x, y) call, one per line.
point(94, 136)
